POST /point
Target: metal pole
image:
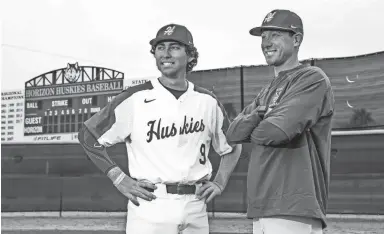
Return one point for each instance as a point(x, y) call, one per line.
point(61, 195)
point(242, 87)
point(245, 194)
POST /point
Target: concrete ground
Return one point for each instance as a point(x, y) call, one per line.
point(74, 224)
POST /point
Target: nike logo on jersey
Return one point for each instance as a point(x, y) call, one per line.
point(97, 145)
point(147, 101)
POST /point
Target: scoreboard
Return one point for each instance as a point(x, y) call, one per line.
point(53, 106)
point(64, 108)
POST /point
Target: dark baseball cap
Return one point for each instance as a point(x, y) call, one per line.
point(283, 20)
point(173, 32)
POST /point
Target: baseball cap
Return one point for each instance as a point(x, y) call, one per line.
point(173, 32)
point(283, 20)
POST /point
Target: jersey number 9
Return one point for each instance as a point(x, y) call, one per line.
point(203, 158)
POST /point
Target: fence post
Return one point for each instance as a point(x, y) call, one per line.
point(245, 195)
point(61, 195)
point(242, 87)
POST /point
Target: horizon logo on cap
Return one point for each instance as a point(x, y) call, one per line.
point(269, 17)
point(169, 30)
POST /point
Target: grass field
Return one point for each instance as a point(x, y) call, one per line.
point(115, 225)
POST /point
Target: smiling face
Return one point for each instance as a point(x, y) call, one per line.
point(171, 59)
point(279, 47)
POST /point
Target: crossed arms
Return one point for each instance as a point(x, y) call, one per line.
point(300, 108)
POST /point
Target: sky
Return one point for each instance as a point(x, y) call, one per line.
point(43, 35)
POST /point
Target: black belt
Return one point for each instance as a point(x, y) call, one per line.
point(180, 189)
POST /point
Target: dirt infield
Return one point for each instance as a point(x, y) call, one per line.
point(115, 225)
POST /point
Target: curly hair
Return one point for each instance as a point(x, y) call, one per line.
point(191, 52)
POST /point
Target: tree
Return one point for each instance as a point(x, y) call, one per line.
point(361, 118)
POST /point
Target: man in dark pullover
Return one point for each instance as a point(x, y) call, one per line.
point(289, 125)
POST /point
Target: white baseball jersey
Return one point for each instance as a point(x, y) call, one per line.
point(167, 139)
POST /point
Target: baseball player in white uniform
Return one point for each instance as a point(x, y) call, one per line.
point(169, 125)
